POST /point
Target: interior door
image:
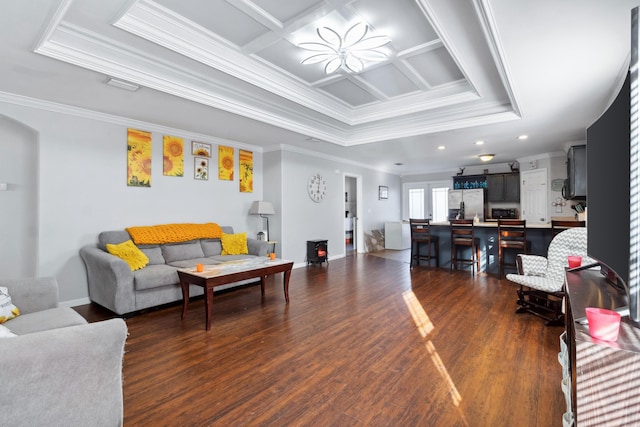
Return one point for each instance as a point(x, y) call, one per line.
point(533, 196)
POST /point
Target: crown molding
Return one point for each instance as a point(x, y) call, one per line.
point(342, 160)
point(83, 113)
point(323, 117)
point(457, 93)
point(78, 46)
point(149, 20)
point(417, 126)
point(490, 29)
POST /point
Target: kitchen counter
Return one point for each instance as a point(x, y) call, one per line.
point(538, 235)
point(494, 223)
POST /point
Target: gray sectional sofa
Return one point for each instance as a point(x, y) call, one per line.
point(113, 285)
point(59, 369)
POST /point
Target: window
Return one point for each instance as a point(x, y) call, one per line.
point(416, 203)
point(440, 203)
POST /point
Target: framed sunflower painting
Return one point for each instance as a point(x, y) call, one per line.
point(138, 158)
point(200, 149)
point(201, 168)
point(246, 171)
point(173, 156)
point(226, 163)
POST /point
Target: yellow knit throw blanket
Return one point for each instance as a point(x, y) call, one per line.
point(173, 233)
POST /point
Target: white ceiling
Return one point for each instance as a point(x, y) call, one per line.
point(457, 72)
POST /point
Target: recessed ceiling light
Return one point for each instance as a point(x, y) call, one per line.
point(523, 137)
point(441, 147)
point(486, 157)
point(121, 84)
point(479, 142)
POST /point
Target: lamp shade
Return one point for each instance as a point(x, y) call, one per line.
point(262, 208)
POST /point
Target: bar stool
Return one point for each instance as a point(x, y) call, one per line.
point(512, 234)
point(558, 226)
point(462, 235)
point(421, 234)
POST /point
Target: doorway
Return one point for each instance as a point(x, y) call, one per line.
point(533, 196)
point(425, 200)
point(352, 206)
point(19, 199)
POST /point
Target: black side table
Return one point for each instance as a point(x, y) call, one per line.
point(317, 251)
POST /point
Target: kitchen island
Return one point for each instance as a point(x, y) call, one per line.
point(539, 236)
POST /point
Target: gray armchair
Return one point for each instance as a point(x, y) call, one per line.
point(59, 369)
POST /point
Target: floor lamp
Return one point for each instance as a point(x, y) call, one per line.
point(263, 209)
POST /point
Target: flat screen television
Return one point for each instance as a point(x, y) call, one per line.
point(613, 185)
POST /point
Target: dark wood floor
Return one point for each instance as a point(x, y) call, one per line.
point(364, 342)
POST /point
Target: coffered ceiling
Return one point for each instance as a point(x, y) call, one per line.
point(455, 72)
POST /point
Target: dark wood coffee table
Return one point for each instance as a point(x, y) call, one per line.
point(229, 272)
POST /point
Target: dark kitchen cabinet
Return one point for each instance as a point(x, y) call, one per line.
point(576, 184)
point(503, 187)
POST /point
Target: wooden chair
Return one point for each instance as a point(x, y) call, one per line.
point(421, 235)
point(541, 279)
point(462, 235)
point(558, 226)
point(512, 234)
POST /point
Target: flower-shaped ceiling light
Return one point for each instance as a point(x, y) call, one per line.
point(348, 51)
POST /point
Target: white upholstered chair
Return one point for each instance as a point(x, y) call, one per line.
point(541, 279)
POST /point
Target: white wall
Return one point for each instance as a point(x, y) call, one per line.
point(19, 202)
point(83, 191)
point(80, 189)
point(300, 219)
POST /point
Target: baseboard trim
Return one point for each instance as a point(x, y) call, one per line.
point(75, 302)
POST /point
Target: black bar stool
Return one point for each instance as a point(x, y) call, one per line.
point(420, 235)
point(512, 234)
point(462, 235)
point(558, 226)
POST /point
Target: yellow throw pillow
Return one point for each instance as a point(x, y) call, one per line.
point(7, 310)
point(234, 244)
point(130, 253)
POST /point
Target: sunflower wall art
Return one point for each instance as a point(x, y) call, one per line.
point(173, 156)
point(226, 163)
point(138, 158)
point(246, 171)
point(201, 168)
point(200, 149)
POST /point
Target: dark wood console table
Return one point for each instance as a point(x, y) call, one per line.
point(604, 376)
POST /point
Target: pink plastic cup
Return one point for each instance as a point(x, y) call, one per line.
point(603, 324)
point(574, 261)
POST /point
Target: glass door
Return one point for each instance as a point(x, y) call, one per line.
point(426, 200)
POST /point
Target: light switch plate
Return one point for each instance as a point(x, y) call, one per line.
point(3, 186)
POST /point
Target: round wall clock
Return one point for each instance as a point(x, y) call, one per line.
point(317, 188)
